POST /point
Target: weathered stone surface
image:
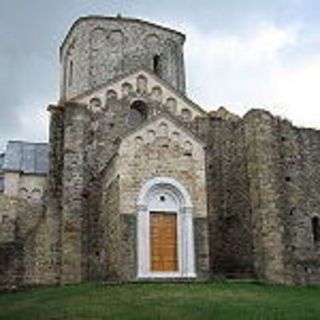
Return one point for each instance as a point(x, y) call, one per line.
point(254, 182)
point(21, 227)
point(98, 49)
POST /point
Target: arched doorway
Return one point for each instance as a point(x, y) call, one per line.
point(165, 230)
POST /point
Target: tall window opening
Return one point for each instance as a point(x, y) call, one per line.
point(315, 229)
point(70, 73)
point(156, 65)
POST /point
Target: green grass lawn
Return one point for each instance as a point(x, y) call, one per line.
point(164, 301)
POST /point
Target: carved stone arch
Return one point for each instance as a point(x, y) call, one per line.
point(142, 84)
point(111, 94)
point(186, 114)
point(95, 103)
point(115, 40)
point(156, 94)
point(166, 195)
point(126, 89)
point(171, 105)
point(36, 194)
point(97, 38)
point(163, 129)
point(175, 136)
point(153, 43)
point(24, 192)
point(188, 148)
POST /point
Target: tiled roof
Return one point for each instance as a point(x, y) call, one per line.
point(26, 157)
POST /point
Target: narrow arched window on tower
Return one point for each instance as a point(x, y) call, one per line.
point(315, 229)
point(70, 73)
point(156, 65)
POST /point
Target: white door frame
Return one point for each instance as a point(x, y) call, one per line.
point(164, 194)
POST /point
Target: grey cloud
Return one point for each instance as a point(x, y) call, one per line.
point(31, 32)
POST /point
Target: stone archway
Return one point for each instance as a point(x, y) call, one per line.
point(166, 196)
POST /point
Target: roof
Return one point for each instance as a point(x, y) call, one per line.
point(26, 157)
point(119, 18)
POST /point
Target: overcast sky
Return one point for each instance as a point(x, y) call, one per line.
point(241, 54)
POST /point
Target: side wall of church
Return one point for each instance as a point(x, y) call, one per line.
point(231, 238)
point(300, 193)
point(264, 171)
point(283, 166)
point(263, 192)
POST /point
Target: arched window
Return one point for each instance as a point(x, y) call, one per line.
point(70, 73)
point(315, 229)
point(156, 65)
point(138, 113)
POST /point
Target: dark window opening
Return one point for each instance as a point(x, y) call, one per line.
point(1, 184)
point(138, 114)
point(70, 74)
point(315, 229)
point(156, 65)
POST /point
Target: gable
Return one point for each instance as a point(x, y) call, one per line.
point(147, 83)
point(164, 128)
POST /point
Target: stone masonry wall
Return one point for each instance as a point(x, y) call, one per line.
point(141, 160)
point(74, 216)
point(300, 193)
point(21, 249)
point(283, 166)
point(265, 188)
point(54, 194)
point(99, 49)
point(230, 228)
point(110, 221)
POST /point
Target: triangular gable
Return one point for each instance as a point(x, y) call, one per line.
point(116, 87)
point(155, 123)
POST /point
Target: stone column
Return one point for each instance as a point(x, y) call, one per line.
point(73, 211)
point(187, 239)
point(143, 242)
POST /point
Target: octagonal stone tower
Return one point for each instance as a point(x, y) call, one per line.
point(98, 49)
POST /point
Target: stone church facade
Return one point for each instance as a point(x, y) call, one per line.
point(143, 183)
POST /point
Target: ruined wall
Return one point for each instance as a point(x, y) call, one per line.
point(230, 228)
point(21, 249)
point(299, 155)
point(264, 171)
point(263, 182)
point(283, 168)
